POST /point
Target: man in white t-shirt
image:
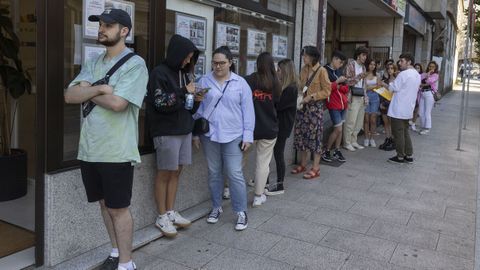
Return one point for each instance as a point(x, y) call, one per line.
point(405, 88)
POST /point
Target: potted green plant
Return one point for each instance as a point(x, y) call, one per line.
point(14, 82)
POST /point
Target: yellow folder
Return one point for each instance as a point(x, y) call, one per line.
point(382, 91)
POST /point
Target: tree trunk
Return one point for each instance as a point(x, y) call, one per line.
point(4, 121)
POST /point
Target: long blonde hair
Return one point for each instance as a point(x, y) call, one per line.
point(288, 74)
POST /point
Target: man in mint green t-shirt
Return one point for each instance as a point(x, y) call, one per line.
point(108, 146)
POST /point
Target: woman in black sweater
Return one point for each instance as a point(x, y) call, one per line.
point(266, 91)
point(286, 109)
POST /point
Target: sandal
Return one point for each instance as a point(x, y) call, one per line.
point(298, 169)
point(312, 174)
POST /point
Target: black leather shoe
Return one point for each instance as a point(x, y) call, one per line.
point(111, 263)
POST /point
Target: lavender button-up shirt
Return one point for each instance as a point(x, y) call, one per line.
point(234, 115)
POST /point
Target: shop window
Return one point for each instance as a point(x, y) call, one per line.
point(257, 34)
point(286, 7)
point(79, 42)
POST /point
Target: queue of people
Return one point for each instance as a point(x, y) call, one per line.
point(228, 114)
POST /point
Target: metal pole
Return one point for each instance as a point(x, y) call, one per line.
point(470, 61)
point(462, 109)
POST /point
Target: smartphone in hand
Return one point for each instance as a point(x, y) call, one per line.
point(241, 146)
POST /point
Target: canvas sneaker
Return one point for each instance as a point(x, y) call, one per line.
point(349, 147)
point(165, 225)
point(123, 268)
point(356, 145)
point(397, 160)
point(339, 156)
point(276, 189)
point(111, 263)
point(408, 159)
point(259, 200)
point(214, 215)
point(226, 193)
point(424, 132)
point(372, 143)
point(242, 221)
point(366, 142)
point(178, 220)
point(251, 182)
point(327, 156)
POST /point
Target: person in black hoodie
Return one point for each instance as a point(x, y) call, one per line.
point(266, 92)
point(286, 110)
point(171, 126)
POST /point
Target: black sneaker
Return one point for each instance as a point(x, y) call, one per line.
point(397, 160)
point(339, 156)
point(408, 160)
point(275, 190)
point(111, 263)
point(326, 156)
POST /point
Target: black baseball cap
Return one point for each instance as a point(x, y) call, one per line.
point(113, 16)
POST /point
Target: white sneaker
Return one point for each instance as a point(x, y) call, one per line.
point(226, 193)
point(251, 182)
point(123, 268)
point(372, 143)
point(242, 221)
point(349, 147)
point(259, 200)
point(424, 132)
point(356, 145)
point(366, 142)
point(413, 127)
point(178, 220)
point(214, 215)
point(166, 226)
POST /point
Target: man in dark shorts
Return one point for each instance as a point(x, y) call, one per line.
point(108, 146)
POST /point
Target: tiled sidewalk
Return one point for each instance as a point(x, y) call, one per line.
point(365, 214)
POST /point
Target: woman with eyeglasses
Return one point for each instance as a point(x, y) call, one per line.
point(309, 121)
point(228, 107)
point(428, 88)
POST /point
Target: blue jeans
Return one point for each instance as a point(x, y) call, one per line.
point(225, 157)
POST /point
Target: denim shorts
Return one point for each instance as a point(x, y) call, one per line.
point(373, 102)
point(337, 117)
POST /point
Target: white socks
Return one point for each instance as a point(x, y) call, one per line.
point(129, 265)
point(114, 253)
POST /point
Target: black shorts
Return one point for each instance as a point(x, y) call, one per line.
point(111, 182)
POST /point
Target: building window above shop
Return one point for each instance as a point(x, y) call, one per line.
point(286, 7)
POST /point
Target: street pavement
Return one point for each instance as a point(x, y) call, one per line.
point(365, 214)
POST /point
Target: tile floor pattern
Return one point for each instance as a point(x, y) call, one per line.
point(366, 214)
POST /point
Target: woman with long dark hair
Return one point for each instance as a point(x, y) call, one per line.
point(428, 88)
point(309, 121)
point(286, 109)
point(372, 81)
point(266, 91)
point(228, 107)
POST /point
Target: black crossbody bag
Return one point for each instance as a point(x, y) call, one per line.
point(88, 106)
point(201, 125)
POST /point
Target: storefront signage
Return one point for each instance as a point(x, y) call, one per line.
point(92, 51)
point(200, 66)
point(229, 35)
point(251, 66)
point(279, 46)
point(415, 20)
point(256, 42)
point(193, 28)
point(96, 7)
